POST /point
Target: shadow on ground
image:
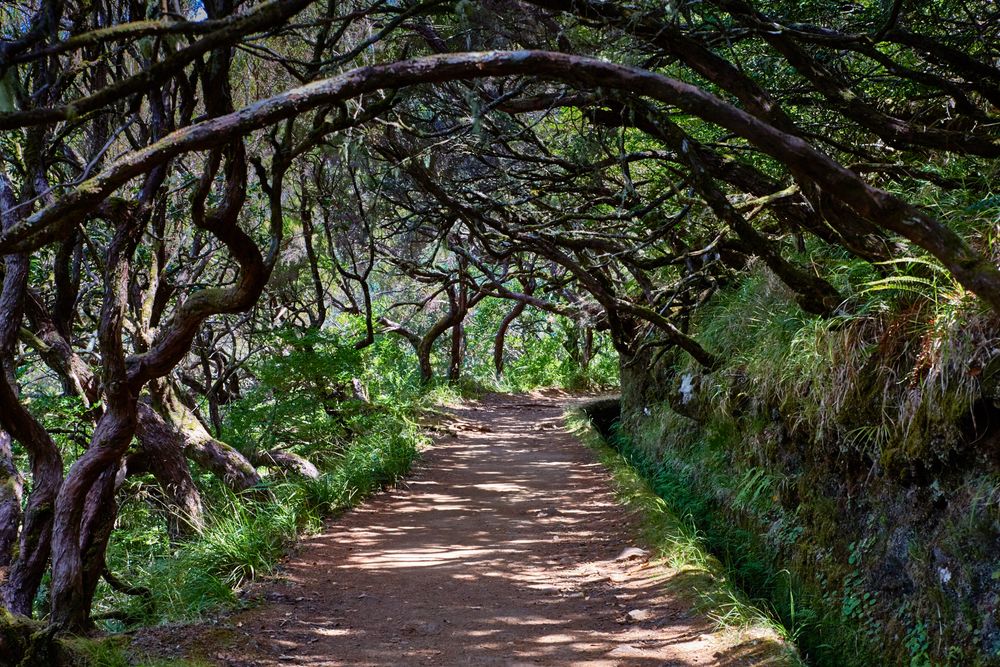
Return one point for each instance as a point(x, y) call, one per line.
point(503, 549)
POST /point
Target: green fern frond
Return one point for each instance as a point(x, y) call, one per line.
point(907, 261)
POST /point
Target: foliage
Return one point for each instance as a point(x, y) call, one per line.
point(694, 485)
point(830, 463)
point(299, 402)
point(539, 352)
point(359, 448)
point(244, 221)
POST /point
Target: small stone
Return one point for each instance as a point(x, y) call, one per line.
point(637, 615)
point(632, 553)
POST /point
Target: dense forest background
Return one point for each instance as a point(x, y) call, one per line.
point(246, 243)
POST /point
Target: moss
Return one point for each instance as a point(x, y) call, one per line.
point(15, 636)
point(709, 477)
point(820, 514)
point(861, 559)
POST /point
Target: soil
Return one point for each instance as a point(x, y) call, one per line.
point(505, 547)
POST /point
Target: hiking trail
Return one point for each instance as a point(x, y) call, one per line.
point(504, 547)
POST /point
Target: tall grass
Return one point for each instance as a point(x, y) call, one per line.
point(245, 538)
point(696, 482)
point(869, 414)
point(894, 376)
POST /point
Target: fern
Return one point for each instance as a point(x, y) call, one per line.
point(941, 284)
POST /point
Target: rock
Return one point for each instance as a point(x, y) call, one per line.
point(632, 553)
point(637, 615)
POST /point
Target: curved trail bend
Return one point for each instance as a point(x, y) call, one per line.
point(501, 549)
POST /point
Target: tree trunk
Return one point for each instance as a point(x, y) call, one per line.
point(85, 509)
point(453, 318)
point(286, 461)
point(27, 568)
point(70, 599)
point(11, 489)
point(457, 353)
point(99, 514)
point(501, 340)
point(164, 448)
point(319, 318)
point(213, 455)
point(424, 363)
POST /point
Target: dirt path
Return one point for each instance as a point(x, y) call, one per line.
point(502, 549)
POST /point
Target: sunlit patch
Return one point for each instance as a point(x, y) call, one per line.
point(334, 632)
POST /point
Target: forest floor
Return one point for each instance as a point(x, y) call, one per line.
point(505, 547)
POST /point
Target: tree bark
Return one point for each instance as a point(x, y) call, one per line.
point(70, 597)
point(500, 342)
point(200, 446)
point(456, 355)
point(11, 490)
point(84, 507)
point(319, 318)
point(11, 303)
point(286, 461)
point(164, 448)
point(100, 512)
point(27, 568)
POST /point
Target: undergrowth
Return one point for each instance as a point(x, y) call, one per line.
point(245, 539)
point(676, 539)
point(300, 398)
point(837, 467)
point(301, 402)
point(299, 405)
point(697, 482)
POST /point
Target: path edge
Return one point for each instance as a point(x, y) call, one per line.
point(697, 577)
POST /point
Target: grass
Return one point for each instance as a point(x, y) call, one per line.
point(245, 539)
point(112, 652)
point(108, 652)
point(677, 542)
point(740, 521)
point(893, 376)
point(869, 427)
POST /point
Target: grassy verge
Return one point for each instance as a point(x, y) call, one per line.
point(244, 538)
point(699, 576)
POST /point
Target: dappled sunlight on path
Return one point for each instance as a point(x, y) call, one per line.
point(502, 549)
